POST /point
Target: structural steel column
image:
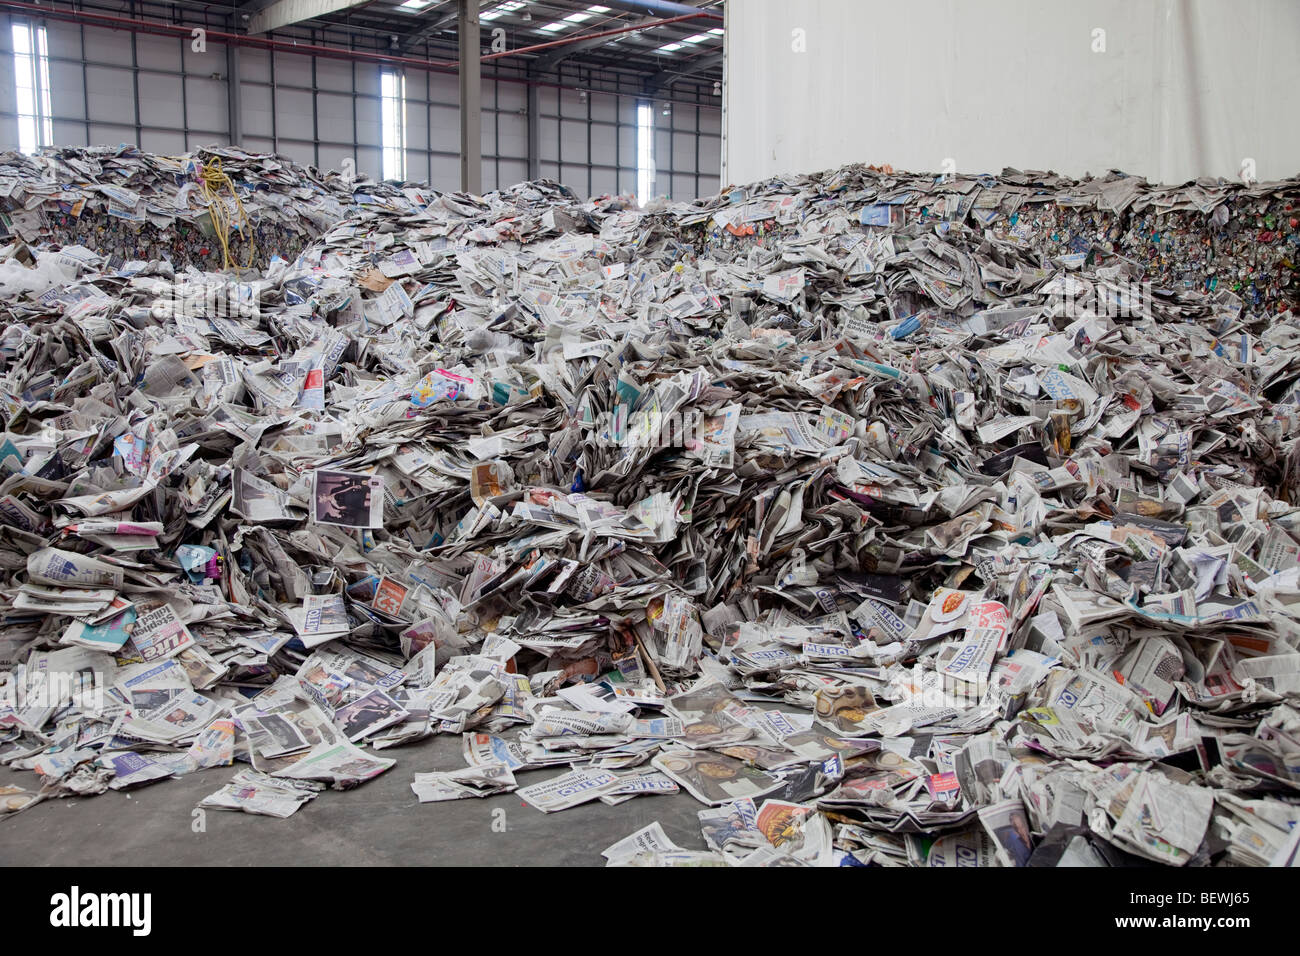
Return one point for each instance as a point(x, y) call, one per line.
point(471, 90)
point(234, 102)
point(535, 131)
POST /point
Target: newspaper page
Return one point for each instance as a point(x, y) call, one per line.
point(159, 633)
point(347, 499)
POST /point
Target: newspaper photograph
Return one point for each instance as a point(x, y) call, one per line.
point(732, 826)
point(368, 714)
point(714, 778)
point(341, 765)
point(845, 709)
point(273, 734)
point(1008, 827)
point(347, 499)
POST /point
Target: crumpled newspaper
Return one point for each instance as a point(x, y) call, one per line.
point(888, 529)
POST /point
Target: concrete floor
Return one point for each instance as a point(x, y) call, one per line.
point(378, 824)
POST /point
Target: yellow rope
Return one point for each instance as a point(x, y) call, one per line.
point(213, 180)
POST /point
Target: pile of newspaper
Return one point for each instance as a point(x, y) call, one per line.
point(130, 204)
point(1208, 235)
point(917, 546)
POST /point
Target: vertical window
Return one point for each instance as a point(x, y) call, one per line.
point(645, 165)
point(393, 90)
point(32, 87)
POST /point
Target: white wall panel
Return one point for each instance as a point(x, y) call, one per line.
point(67, 95)
point(331, 157)
point(573, 141)
point(300, 152)
point(111, 134)
point(110, 96)
point(370, 160)
point(604, 108)
point(367, 78)
point(207, 105)
point(159, 102)
point(683, 186)
point(444, 124)
point(334, 112)
point(294, 70)
point(163, 53)
point(446, 172)
point(254, 65)
point(683, 152)
point(513, 171)
point(166, 143)
point(602, 182)
point(1183, 88)
point(603, 151)
point(256, 103)
point(293, 113)
point(512, 135)
point(108, 45)
point(505, 96)
point(62, 39)
point(444, 88)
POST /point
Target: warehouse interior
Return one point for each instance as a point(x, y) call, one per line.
point(649, 433)
point(564, 99)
